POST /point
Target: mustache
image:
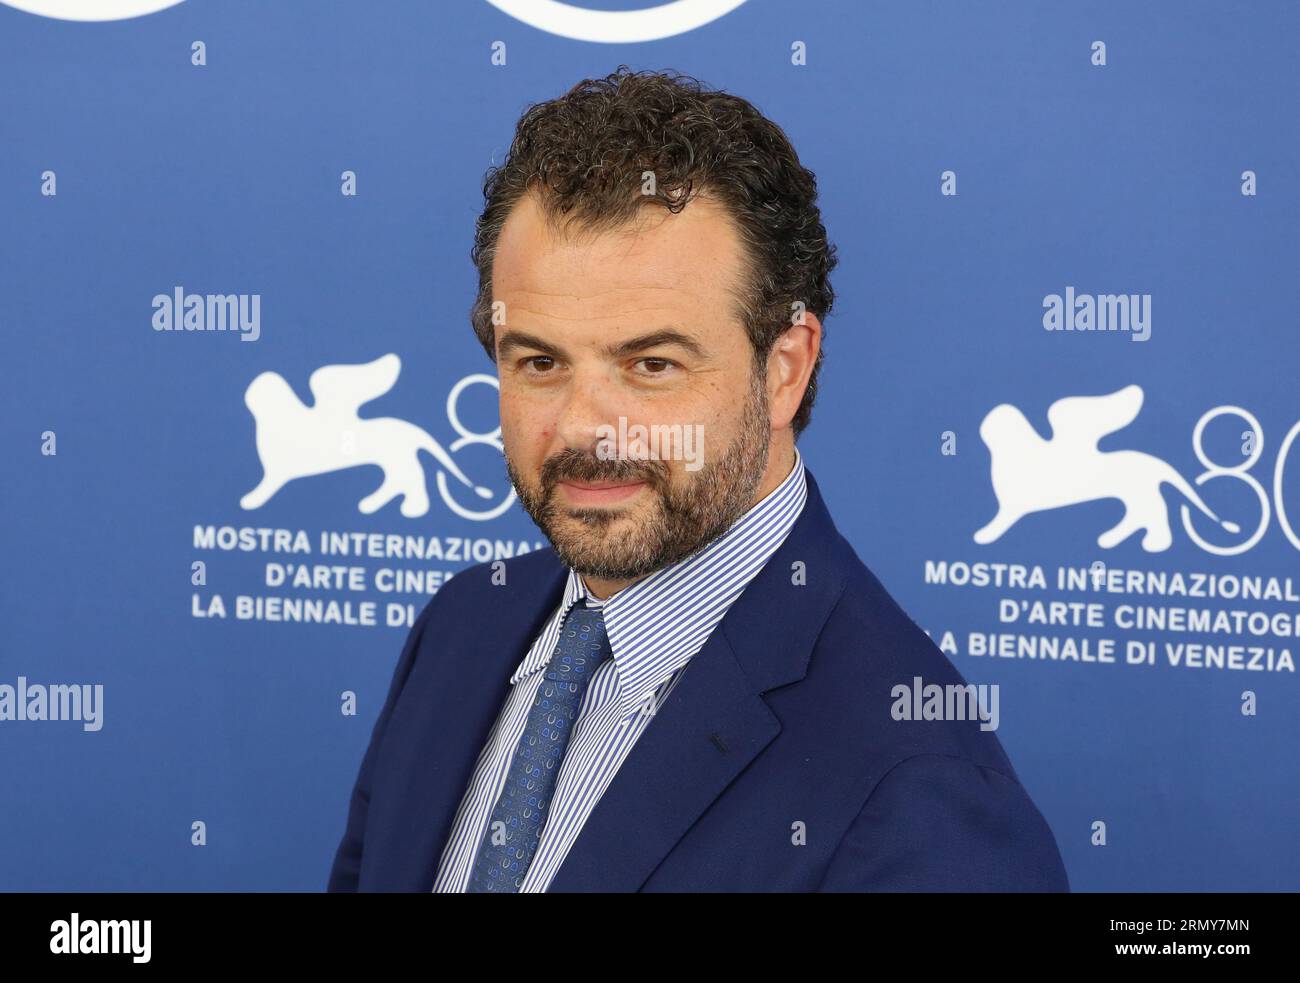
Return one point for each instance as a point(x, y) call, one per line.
point(574, 465)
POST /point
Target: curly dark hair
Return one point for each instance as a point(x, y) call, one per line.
point(586, 153)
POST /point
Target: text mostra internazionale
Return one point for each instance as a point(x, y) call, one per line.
point(1114, 580)
point(368, 545)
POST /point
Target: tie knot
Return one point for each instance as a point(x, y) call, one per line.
point(582, 647)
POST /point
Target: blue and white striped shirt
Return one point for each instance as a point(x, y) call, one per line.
point(654, 626)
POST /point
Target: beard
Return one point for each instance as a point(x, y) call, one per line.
point(680, 518)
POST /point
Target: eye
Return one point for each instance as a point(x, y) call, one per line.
point(537, 364)
point(655, 366)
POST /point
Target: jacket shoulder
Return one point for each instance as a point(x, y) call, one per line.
point(887, 668)
point(934, 780)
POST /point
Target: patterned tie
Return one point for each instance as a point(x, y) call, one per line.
point(516, 824)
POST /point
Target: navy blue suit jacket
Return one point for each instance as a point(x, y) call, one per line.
point(783, 718)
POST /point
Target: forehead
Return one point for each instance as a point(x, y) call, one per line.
point(663, 261)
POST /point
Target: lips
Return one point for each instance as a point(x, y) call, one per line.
point(601, 485)
point(599, 492)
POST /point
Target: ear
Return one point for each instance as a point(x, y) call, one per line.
point(790, 364)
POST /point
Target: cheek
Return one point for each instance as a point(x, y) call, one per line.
point(524, 431)
point(720, 396)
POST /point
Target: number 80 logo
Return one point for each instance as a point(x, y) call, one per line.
point(1241, 473)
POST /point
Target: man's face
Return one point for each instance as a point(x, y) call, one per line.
point(637, 324)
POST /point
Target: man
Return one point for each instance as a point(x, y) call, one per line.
point(694, 689)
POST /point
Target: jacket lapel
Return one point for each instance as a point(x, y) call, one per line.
point(715, 721)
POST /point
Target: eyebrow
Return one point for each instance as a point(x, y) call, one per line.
point(666, 336)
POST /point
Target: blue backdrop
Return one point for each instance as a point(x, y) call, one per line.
point(323, 160)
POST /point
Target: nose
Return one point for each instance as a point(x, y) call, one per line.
point(589, 405)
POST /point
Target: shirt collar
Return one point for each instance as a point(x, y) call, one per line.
point(658, 623)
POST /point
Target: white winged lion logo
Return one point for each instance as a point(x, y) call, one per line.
point(1031, 474)
point(296, 441)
